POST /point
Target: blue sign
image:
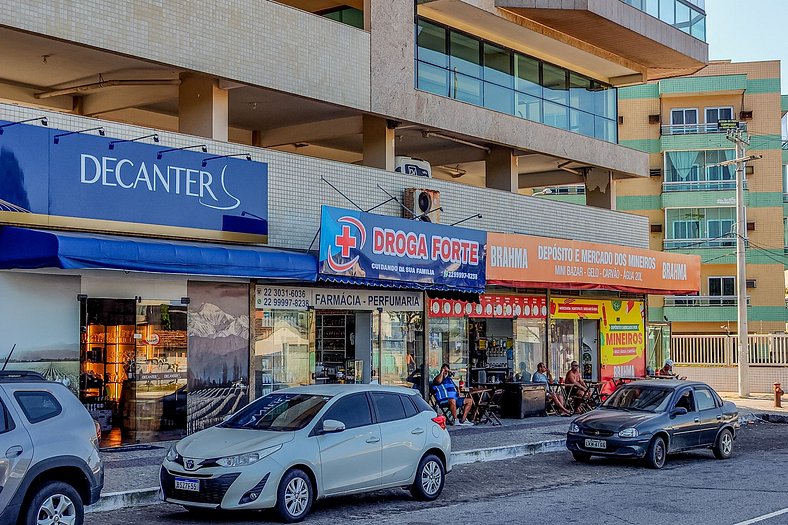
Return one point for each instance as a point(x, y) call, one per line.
point(375, 249)
point(60, 174)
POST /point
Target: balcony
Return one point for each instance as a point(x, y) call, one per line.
point(681, 14)
point(681, 244)
point(702, 300)
point(693, 129)
point(702, 185)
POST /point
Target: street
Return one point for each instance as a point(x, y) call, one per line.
point(692, 488)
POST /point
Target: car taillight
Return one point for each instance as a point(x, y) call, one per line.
point(440, 421)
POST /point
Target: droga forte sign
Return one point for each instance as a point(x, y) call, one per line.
point(302, 298)
point(541, 261)
point(364, 247)
point(64, 179)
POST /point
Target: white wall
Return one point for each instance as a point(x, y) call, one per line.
point(726, 378)
point(122, 285)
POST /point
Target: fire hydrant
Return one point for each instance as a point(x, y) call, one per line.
point(778, 393)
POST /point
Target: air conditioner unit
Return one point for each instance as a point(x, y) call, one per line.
point(653, 119)
point(745, 115)
point(655, 172)
point(412, 166)
point(656, 228)
point(422, 204)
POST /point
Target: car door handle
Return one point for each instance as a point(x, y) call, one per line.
point(14, 452)
point(417, 431)
point(696, 420)
point(373, 439)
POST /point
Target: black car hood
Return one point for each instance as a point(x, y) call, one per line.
point(612, 419)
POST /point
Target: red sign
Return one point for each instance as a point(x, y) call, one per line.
point(497, 306)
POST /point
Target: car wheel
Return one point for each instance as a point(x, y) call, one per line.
point(430, 477)
point(723, 448)
point(294, 497)
point(581, 457)
point(55, 503)
point(657, 453)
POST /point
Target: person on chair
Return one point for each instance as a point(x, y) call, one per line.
point(543, 375)
point(667, 370)
point(445, 392)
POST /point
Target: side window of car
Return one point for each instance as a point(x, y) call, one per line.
point(410, 408)
point(686, 401)
point(422, 405)
point(704, 399)
point(389, 407)
point(6, 423)
point(352, 410)
point(38, 406)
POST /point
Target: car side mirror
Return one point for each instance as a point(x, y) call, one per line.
point(678, 411)
point(331, 426)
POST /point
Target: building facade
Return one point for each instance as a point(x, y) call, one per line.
point(170, 173)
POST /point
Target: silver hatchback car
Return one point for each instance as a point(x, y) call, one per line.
point(288, 448)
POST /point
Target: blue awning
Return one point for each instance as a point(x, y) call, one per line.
point(26, 248)
point(403, 285)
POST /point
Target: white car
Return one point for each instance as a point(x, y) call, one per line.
point(288, 448)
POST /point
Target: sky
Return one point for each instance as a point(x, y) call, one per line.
point(748, 30)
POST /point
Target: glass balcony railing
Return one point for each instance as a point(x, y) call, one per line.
point(701, 185)
point(688, 16)
point(685, 244)
point(692, 129)
point(703, 300)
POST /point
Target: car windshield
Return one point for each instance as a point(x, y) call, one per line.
point(640, 398)
point(279, 412)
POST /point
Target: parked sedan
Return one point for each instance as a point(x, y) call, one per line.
point(649, 419)
point(288, 448)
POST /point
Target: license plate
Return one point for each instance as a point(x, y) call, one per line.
point(596, 443)
point(192, 485)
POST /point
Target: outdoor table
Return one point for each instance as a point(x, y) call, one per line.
point(478, 398)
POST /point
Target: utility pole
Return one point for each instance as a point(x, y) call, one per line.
point(738, 137)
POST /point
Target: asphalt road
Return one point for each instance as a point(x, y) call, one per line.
point(693, 488)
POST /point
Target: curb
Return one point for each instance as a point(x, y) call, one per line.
point(152, 496)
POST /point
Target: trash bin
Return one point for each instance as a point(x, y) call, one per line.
point(522, 400)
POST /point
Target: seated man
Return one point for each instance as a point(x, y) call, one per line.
point(667, 371)
point(573, 377)
point(543, 375)
point(445, 392)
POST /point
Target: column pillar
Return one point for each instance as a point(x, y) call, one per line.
point(202, 107)
point(378, 143)
point(501, 170)
point(600, 189)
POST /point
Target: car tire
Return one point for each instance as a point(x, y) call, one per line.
point(430, 477)
point(723, 447)
point(53, 501)
point(294, 496)
point(581, 457)
point(657, 453)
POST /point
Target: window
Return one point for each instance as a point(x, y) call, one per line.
point(6, 423)
point(722, 286)
point(686, 229)
point(686, 400)
point(388, 406)
point(464, 55)
point(684, 120)
point(278, 412)
point(431, 44)
point(714, 115)
point(714, 225)
point(410, 407)
point(38, 406)
point(701, 168)
point(352, 410)
point(719, 228)
point(421, 405)
point(705, 399)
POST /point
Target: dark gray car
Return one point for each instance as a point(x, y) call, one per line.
point(49, 461)
point(649, 419)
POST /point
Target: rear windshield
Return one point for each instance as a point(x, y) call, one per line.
point(643, 399)
point(278, 412)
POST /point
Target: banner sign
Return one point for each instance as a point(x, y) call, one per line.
point(367, 248)
point(491, 306)
point(52, 177)
point(621, 329)
point(540, 261)
point(302, 298)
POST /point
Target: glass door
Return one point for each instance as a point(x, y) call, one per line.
point(396, 340)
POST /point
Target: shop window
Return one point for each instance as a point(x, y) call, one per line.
point(352, 410)
point(529, 347)
point(397, 338)
point(448, 343)
point(282, 354)
point(563, 346)
point(388, 407)
point(38, 406)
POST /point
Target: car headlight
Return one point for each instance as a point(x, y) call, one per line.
point(574, 428)
point(244, 460)
point(172, 454)
point(629, 433)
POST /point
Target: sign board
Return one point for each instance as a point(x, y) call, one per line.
point(491, 306)
point(724, 125)
point(303, 298)
point(363, 247)
point(80, 183)
point(526, 260)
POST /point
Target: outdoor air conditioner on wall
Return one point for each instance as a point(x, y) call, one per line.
point(412, 166)
point(422, 203)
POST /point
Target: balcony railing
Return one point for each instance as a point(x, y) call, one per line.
point(693, 129)
point(702, 185)
point(685, 15)
point(680, 244)
point(703, 300)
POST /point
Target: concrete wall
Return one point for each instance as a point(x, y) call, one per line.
point(296, 193)
point(726, 379)
point(259, 43)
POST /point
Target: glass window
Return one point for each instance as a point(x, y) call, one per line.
point(498, 98)
point(581, 122)
point(527, 75)
point(556, 87)
point(580, 94)
point(639, 398)
point(278, 412)
point(352, 410)
point(466, 89)
point(529, 346)
point(421, 405)
point(388, 406)
point(682, 17)
point(722, 286)
point(448, 343)
point(282, 355)
point(556, 115)
point(498, 65)
point(714, 115)
point(651, 7)
point(431, 44)
point(686, 400)
point(667, 11)
point(528, 107)
point(410, 406)
point(6, 423)
point(698, 26)
point(396, 346)
point(705, 399)
point(347, 15)
point(563, 345)
point(682, 166)
point(464, 55)
point(605, 129)
point(604, 101)
point(684, 121)
point(432, 79)
point(687, 229)
point(38, 406)
point(720, 173)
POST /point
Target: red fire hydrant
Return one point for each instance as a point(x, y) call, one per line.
point(778, 393)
